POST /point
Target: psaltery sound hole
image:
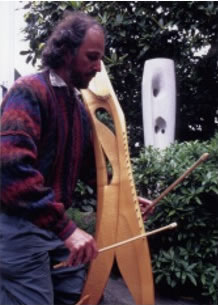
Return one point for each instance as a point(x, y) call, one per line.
point(109, 169)
point(104, 117)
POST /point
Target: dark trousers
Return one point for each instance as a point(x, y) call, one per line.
point(27, 257)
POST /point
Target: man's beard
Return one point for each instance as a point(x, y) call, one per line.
point(78, 81)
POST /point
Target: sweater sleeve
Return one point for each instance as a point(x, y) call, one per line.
point(22, 185)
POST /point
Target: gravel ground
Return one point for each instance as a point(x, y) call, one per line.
point(116, 293)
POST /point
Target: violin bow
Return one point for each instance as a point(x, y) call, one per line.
point(124, 242)
point(154, 202)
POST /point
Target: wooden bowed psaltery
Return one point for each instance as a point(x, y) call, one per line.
point(118, 211)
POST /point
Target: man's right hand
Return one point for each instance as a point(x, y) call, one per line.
point(82, 247)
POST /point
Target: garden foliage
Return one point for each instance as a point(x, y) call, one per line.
point(185, 259)
point(141, 30)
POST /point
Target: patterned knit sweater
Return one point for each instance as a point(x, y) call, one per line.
point(45, 145)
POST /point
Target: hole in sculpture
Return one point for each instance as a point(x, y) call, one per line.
point(156, 129)
point(155, 92)
point(160, 125)
point(156, 85)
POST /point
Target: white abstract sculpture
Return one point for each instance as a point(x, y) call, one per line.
point(7, 23)
point(159, 102)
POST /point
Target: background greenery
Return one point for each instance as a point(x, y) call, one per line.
point(138, 31)
point(184, 260)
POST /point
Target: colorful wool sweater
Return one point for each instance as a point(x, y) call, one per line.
point(45, 148)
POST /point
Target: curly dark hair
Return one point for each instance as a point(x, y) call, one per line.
point(68, 35)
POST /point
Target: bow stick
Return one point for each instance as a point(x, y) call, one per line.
point(174, 184)
point(129, 240)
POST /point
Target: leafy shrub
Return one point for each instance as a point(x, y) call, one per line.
point(85, 220)
point(83, 211)
point(185, 259)
point(84, 198)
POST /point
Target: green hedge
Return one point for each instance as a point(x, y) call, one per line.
point(185, 261)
